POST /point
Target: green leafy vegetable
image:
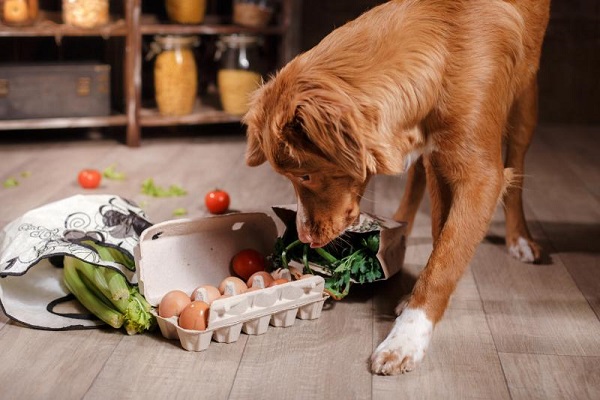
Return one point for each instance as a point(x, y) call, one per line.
point(179, 212)
point(106, 293)
point(149, 188)
point(352, 257)
point(10, 183)
point(111, 173)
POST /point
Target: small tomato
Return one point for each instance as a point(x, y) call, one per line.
point(246, 262)
point(217, 201)
point(89, 178)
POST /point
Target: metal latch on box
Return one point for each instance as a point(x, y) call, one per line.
point(83, 86)
point(3, 87)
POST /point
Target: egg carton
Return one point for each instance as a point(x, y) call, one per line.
point(184, 254)
point(251, 313)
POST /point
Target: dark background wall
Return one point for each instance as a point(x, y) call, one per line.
point(569, 76)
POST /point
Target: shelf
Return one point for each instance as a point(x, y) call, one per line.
point(63, 122)
point(132, 25)
point(150, 25)
point(50, 24)
point(202, 114)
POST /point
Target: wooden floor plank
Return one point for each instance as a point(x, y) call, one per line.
point(578, 152)
point(569, 216)
point(532, 308)
point(53, 365)
point(461, 363)
point(544, 377)
point(150, 367)
point(321, 359)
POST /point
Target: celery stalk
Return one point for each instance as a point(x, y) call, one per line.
point(117, 285)
point(87, 298)
point(90, 273)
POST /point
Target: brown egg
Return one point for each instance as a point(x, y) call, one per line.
point(205, 293)
point(260, 279)
point(232, 285)
point(279, 281)
point(173, 303)
point(195, 316)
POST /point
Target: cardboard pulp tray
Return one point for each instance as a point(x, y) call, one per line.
point(184, 254)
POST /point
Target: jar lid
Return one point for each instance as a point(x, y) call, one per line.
point(173, 41)
point(238, 39)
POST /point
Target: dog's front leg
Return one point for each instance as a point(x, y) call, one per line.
point(461, 209)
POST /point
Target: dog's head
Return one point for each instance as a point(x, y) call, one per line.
point(313, 132)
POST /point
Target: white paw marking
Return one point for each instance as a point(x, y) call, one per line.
point(405, 345)
point(522, 251)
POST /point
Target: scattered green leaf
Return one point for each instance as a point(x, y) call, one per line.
point(10, 183)
point(149, 188)
point(179, 212)
point(111, 173)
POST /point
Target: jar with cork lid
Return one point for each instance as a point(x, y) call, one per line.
point(175, 74)
point(240, 71)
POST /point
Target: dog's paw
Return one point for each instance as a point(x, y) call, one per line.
point(524, 250)
point(405, 345)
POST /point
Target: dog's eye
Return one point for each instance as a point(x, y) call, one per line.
point(304, 178)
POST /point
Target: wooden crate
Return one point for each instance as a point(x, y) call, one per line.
point(54, 90)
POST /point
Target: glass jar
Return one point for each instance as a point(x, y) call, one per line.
point(252, 13)
point(19, 12)
point(175, 74)
point(239, 73)
point(85, 13)
point(186, 11)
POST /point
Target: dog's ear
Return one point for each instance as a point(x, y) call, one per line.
point(328, 124)
point(254, 153)
point(253, 120)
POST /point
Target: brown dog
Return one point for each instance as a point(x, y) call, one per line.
point(440, 82)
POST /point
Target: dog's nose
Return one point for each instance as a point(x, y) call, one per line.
point(304, 236)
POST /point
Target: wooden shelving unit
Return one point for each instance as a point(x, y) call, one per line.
point(133, 26)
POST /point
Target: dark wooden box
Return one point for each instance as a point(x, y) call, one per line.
point(54, 90)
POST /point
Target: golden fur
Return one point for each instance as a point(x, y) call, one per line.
point(445, 79)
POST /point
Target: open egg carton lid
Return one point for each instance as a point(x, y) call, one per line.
point(186, 253)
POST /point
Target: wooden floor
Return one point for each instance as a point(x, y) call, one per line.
point(512, 330)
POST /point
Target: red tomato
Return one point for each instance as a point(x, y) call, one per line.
point(247, 262)
point(217, 201)
point(89, 178)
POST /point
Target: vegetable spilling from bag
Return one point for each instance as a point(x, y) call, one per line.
point(106, 293)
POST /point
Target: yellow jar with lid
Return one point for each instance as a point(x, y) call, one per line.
point(19, 12)
point(186, 11)
point(175, 74)
point(239, 71)
point(252, 13)
point(85, 13)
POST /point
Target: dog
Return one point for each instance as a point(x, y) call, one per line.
point(428, 87)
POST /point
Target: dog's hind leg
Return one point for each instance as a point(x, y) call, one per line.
point(413, 194)
point(520, 129)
